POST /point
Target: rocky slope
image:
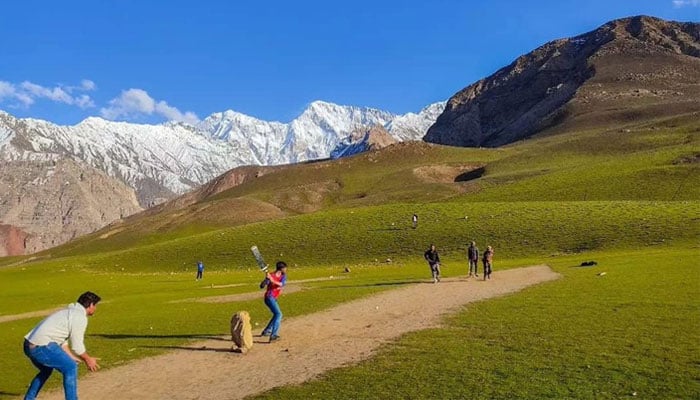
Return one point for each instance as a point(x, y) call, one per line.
point(373, 138)
point(43, 204)
point(639, 67)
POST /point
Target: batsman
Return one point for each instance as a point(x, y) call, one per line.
point(275, 281)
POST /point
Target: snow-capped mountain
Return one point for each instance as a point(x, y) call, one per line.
point(320, 128)
point(412, 126)
point(251, 137)
point(157, 161)
point(310, 136)
point(160, 161)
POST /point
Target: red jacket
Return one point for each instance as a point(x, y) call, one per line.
point(274, 288)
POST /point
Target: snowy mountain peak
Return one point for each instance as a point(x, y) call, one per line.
point(412, 126)
point(433, 110)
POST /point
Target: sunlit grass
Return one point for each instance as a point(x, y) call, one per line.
point(632, 332)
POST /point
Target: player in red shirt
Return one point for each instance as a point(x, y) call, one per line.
point(276, 280)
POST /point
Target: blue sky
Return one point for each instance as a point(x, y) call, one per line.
point(152, 61)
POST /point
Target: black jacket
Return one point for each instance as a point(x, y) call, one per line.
point(432, 257)
point(473, 253)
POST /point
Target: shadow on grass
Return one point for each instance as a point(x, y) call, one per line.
point(203, 348)
point(121, 336)
point(379, 284)
point(8, 394)
point(388, 229)
point(471, 175)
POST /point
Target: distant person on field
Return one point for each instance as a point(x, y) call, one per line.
point(488, 260)
point(47, 346)
point(473, 257)
point(200, 270)
point(414, 219)
point(433, 258)
point(275, 281)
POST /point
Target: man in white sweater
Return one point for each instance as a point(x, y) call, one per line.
point(47, 346)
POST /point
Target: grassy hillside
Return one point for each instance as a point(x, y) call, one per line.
point(653, 161)
point(372, 234)
point(369, 179)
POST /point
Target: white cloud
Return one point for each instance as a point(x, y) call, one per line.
point(84, 101)
point(87, 85)
point(135, 102)
point(55, 94)
point(8, 91)
point(26, 93)
point(686, 3)
point(173, 114)
point(132, 102)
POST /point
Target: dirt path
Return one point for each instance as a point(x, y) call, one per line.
point(31, 314)
point(310, 344)
point(290, 287)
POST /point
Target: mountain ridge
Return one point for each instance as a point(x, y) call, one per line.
point(584, 74)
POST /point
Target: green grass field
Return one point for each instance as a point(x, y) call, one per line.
point(584, 336)
point(629, 200)
point(632, 331)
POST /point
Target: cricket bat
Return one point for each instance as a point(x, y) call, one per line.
point(259, 258)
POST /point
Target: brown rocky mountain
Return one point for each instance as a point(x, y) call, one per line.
point(44, 204)
point(223, 182)
point(626, 70)
point(378, 138)
point(364, 139)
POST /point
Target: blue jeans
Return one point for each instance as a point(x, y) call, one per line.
point(274, 325)
point(47, 358)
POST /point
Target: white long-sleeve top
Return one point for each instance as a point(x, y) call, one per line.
point(59, 327)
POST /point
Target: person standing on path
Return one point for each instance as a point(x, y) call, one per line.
point(200, 270)
point(473, 257)
point(488, 260)
point(414, 219)
point(276, 280)
point(46, 346)
point(433, 259)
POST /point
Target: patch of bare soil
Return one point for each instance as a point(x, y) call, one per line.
point(111, 232)
point(228, 285)
point(230, 298)
point(291, 287)
point(310, 344)
point(31, 314)
point(305, 198)
point(443, 173)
